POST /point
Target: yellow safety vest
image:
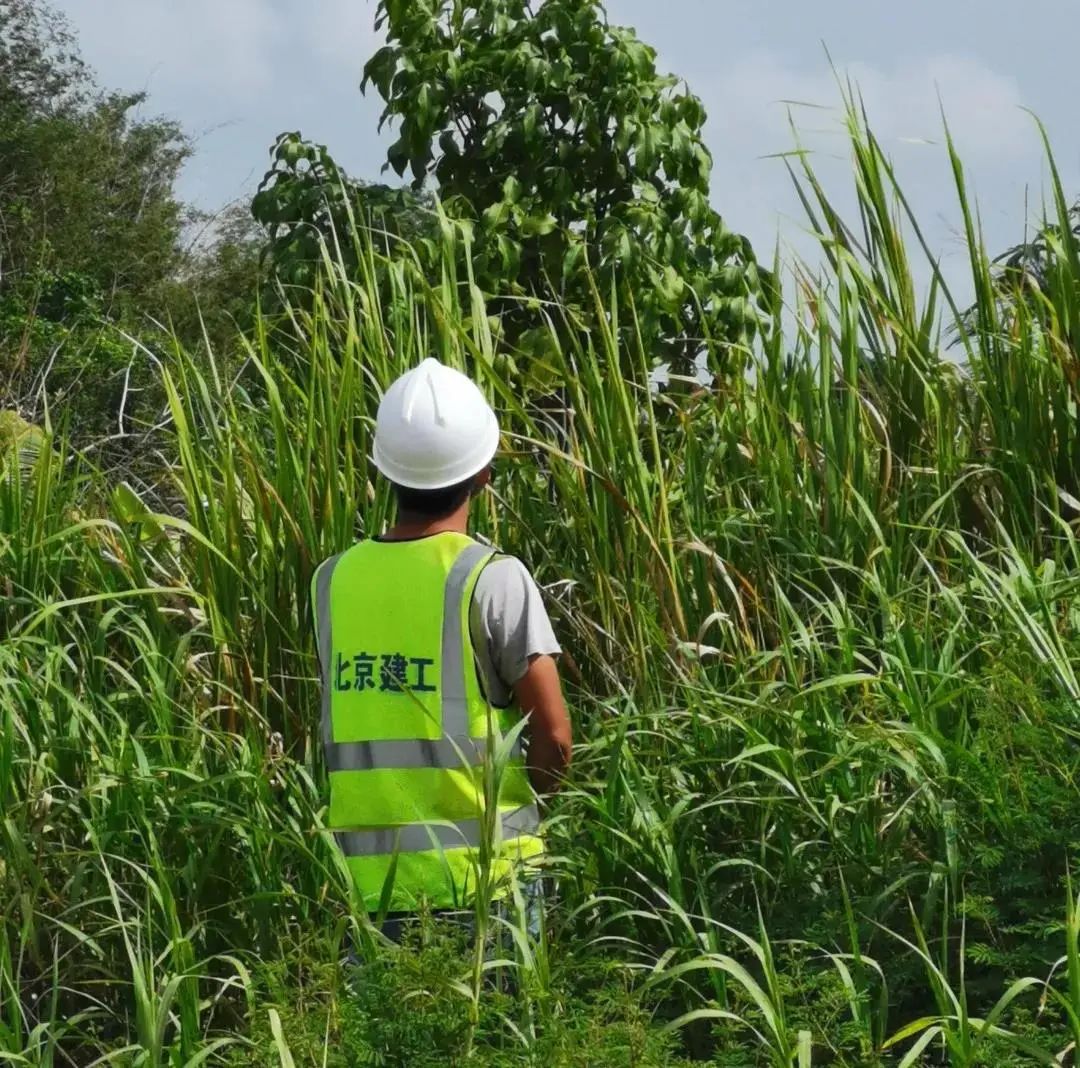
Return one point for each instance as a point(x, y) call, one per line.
point(405, 724)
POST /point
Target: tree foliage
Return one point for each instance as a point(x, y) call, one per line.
point(1026, 268)
point(87, 185)
point(553, 132)
point(552, 138)
point(90, 228)
point(40, 64)
point(306, 200)
point(213, 293)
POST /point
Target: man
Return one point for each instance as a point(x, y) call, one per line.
point(427, 639)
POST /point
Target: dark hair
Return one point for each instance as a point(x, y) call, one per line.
point(433, 504)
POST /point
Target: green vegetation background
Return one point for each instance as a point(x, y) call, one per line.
point(821, 608)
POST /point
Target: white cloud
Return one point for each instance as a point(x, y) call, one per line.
point(340, 32)
point(197, 50)
point(983, 108)
point(752, 103)
point(236, 73)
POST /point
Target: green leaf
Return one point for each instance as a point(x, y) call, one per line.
point(573, 260)
point(130, 509)
point(496, 215)
point(806, 1049)
point(649, 141)
point(511, 189)
point(912, 1056)
point(379, 70)
point(537, 226)
point(534, 73)
point(531, 120)
point(509, 255)
point(284, 1053)
point(397, 155)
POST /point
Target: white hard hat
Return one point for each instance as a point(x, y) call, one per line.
point(434, 429)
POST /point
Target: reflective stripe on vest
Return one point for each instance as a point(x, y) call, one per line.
point(417, 837)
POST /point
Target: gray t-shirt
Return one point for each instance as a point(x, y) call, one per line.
point(508, 624)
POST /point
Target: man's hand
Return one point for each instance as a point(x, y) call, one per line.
point(539, 696)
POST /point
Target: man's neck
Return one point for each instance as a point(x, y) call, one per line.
point(409, 527)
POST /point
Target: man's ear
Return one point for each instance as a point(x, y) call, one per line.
point(480, 481)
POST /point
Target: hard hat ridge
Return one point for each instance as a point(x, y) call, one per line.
point(424, 375)
point(434, 429)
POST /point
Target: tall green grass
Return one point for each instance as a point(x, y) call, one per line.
point(821, 621)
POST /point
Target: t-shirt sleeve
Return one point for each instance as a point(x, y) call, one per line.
point(510, 625)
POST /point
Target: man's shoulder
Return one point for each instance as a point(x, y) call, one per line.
point(502, 570)
point(507, 591)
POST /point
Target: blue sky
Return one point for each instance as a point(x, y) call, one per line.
point(236, 72)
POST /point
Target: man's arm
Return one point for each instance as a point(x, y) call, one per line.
point(539, 696)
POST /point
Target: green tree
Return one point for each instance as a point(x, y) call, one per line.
point(90, 229)
point(306, 199)
point(552, 131)
point(91, 191)
point(40, 65)
point(87, 185)
point(213, 293)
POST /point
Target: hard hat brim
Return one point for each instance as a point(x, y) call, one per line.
point(444, 477)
